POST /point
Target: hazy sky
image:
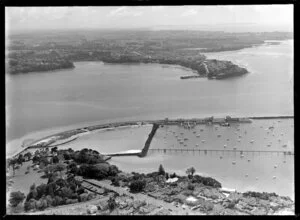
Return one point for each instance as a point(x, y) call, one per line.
point(275, 17)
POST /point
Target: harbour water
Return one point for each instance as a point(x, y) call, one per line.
point(95, 92)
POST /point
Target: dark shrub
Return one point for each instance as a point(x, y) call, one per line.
point(50, 189)
point(66, 192)
point(16, 198)
point(55, 159)
point(67, 156)
point(41, 190)
point(167, 176)
point(191, 186)
point(80, 190)
point(113, 170)
point(112, 203)
point(161, 170)
point(29, 205)
point(173, 175)
point(35, 159)
point(115, 181)
point(54, 149)
point(32, 195)
point(207, 181)
point(58, 201)
point(137, 185)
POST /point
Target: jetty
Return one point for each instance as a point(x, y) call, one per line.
point(148, 142)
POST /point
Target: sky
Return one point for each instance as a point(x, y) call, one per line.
point(231, 18)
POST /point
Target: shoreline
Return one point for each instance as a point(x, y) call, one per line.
point(230, 186)
point(90, 128)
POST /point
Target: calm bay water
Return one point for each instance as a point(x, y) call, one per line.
point(95, 92)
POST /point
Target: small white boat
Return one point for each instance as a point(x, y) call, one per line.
point(274, 177)
point(251, 141)
point(233, 162)
point(275, 166)
point(198, 135)
point(246, 175)
point(225, 145)
point(242, 156)
point(203, 141)
point(256, 178)
point(197, 145)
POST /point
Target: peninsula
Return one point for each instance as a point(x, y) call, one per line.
point(38, 52)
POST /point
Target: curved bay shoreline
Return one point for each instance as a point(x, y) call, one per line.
point(50, 139)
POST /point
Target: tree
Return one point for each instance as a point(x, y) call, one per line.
point(161, 170)
point(190, 171)
point(35, 159)
point(54, 149)
point(137, 186)
point(55, 159)
point(41, 190)
point(112, 203)
point(20, 159)
point(28, 155)
point(16, 198)
point(67, 156)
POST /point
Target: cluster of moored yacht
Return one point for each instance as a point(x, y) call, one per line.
point(182, 140)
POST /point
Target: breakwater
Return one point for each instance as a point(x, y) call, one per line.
point(190, 77)
point(111, 126)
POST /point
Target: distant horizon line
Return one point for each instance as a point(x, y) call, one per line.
point(150, 28)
